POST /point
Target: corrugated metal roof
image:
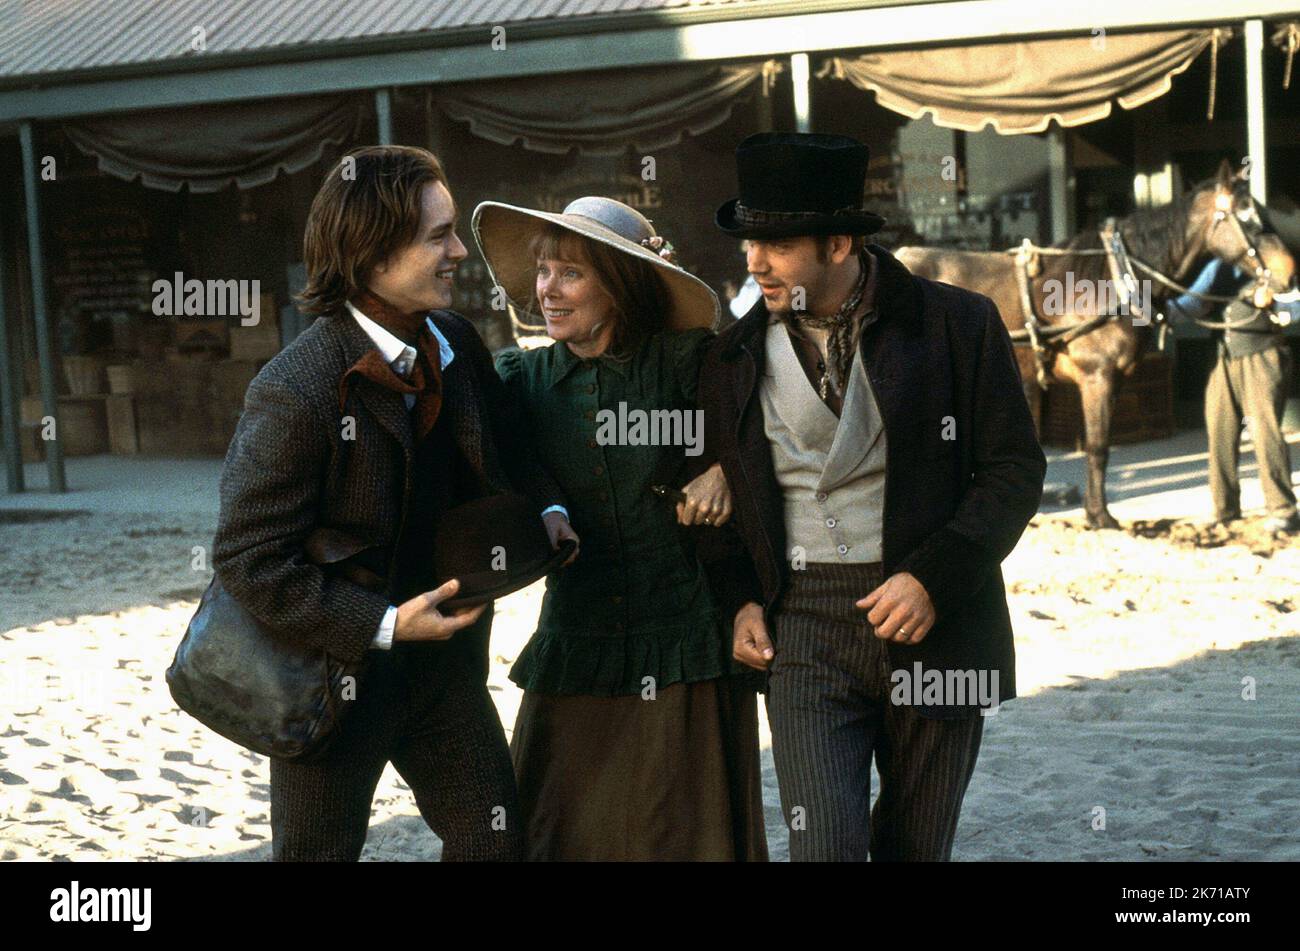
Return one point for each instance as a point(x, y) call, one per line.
point(43, 37)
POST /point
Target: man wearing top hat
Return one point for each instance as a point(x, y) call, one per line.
point(883, 462)
point(373, 453)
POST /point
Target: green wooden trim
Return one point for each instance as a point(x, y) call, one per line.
point(474, 36)
point(558, 46)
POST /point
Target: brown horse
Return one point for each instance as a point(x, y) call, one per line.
point(1217, 217)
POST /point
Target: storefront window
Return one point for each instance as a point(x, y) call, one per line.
point(977, 191)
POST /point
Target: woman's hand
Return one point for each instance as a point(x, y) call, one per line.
point(750, 644)
point(558, 530)
point(708, 499)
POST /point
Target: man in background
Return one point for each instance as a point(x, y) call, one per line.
point(1250, 377)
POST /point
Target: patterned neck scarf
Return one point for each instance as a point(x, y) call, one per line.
point(425, 379)
point(844, 327)
point(406, 327)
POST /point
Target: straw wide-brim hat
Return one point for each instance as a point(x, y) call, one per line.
point(505, 232)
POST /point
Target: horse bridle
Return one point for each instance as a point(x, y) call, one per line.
point(1060, 336)
point(1223, 210)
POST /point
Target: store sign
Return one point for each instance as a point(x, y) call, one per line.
point(627, 188)
point(101, 272)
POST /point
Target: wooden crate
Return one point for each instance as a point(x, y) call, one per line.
point(1143, 410)
point(190, 407)
point(173, 415)
point(260, 341)
point(202, 334)
point(83, 374)
point(123, 437)
point(29, 438)
point(83, 425)
point(120, 378)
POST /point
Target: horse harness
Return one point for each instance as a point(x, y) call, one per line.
point(1048, 339)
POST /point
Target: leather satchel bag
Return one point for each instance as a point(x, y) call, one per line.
point(265, 692)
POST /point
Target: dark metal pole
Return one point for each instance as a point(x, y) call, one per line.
point(40, 312)
point(9, 392)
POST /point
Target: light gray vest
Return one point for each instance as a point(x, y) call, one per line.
point(831, 471)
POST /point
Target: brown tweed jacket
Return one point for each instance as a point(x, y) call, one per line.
point(291, 470)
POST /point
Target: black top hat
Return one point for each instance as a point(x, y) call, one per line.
point(495, 545)
point(796, 183)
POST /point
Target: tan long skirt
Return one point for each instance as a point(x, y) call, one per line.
point(676, 778)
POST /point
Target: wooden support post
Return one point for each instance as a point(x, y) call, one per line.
point(800, 76)
point(1255, 116)
point(45, 335)
point(10, 388)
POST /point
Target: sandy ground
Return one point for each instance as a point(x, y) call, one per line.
point(1132, 738)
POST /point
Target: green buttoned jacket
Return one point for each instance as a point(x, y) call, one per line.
point(635, 604)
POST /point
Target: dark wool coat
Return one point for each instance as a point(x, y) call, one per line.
point(290, 470)
point(954, 508)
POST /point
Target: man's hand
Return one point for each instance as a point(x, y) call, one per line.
point(557, 530)
point(420, 620)
point(1263, 296)
point(750, 644)
point(708, 499)
point(900, 609)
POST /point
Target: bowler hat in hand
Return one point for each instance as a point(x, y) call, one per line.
point(796, 183)
point(495, 545)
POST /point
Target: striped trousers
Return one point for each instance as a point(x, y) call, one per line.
point(829, 710)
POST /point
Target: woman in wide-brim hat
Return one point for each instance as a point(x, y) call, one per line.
point(632, 741)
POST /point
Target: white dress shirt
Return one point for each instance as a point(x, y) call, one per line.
point(401, 357)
